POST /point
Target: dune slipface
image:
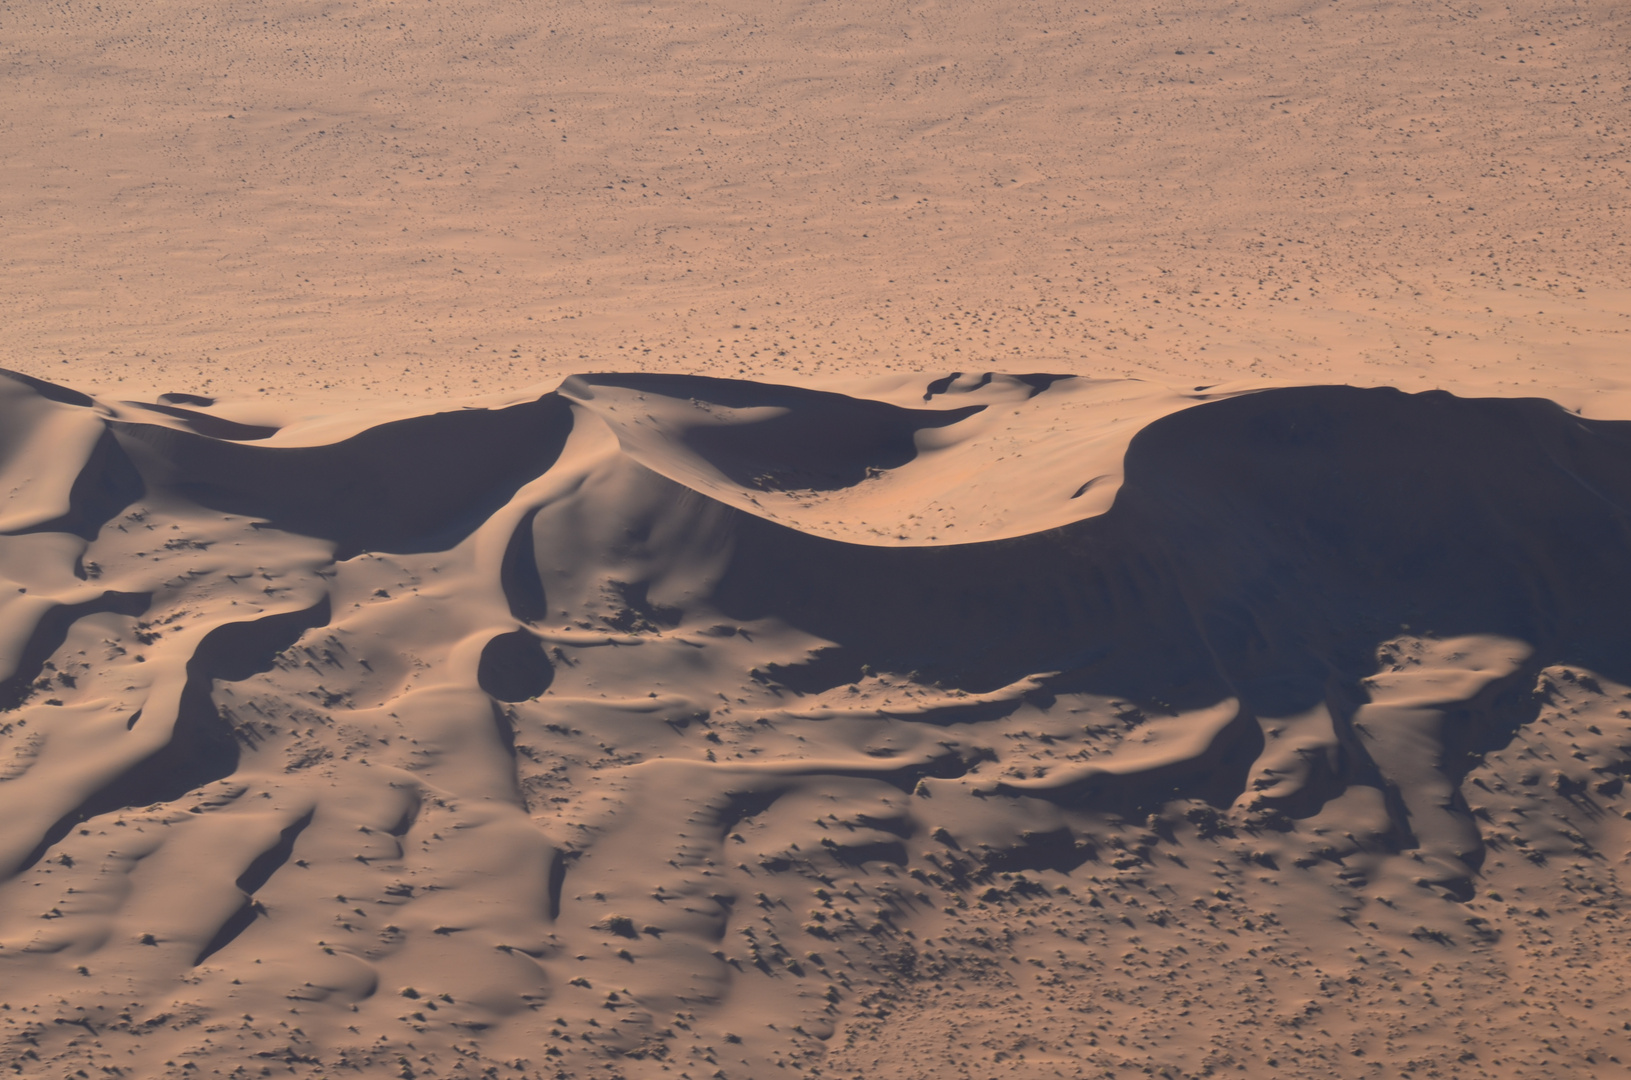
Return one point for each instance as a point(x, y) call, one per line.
point(679, 725)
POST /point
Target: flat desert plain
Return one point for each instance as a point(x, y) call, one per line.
point(882, 541)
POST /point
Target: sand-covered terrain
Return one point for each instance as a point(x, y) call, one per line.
point(733, 540)
point(443, 196)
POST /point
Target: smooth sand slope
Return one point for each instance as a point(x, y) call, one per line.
point(628, 729)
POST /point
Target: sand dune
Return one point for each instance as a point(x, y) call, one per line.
point(717, 540)
point(970, 726)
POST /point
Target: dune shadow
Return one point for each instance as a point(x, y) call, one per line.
point(812, 441)
point(414, 485)
point(1261, 547)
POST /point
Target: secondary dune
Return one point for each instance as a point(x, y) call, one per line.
point(970, 725)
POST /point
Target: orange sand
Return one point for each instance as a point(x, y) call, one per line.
point(738, 541)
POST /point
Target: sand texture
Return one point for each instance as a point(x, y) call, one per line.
point(441, 197)
point(675, 725)
point(859, 540)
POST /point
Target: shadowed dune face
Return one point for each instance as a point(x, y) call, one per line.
point(771, 438)
point(503, 708)
point(1309, 525)
point(1281, 535)
point(421, 484)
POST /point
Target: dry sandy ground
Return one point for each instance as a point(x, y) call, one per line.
point(438, 197)
point(830, 693)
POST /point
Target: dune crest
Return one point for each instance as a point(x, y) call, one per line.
point(661, 723)
point(952, 468)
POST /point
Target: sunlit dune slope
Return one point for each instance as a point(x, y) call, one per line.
point(479, 725)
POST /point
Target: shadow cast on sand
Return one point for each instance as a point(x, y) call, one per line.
point(1280, 552)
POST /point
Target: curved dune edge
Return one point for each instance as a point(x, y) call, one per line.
point(978, 457)
point(664, 722)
